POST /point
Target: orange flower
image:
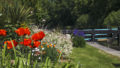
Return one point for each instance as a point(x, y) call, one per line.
point(22, 31)
point(41, 46)
point(48, 46)
point(3, 32)
point(54, 45)
point(44, 43)
point(58, 51)
point(38, 36)
point(26, 42)
point(9, 44)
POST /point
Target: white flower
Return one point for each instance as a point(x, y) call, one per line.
point(36, 48)
point(33, 50)
point(43, 20)
point(0, 14)
point(39, 58)
point(32, 53)
point(43, 48)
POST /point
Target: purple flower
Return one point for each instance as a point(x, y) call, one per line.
point(81, 33)
point(78, 33)
point(75, 32)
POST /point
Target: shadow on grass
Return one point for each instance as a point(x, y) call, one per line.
point(116, 65)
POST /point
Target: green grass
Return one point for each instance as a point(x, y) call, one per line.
point(91, 57)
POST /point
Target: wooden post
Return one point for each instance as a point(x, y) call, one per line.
point(93, 36)
point(118, 36)
point(111, 37)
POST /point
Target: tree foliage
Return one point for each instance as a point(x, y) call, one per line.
point(74, 13)
point(113, 19)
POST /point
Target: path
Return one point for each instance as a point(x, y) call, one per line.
point(106, 49)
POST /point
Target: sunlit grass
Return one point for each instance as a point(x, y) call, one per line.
point(90, 57)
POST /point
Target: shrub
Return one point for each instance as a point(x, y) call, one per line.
point(78, 38)
point(78, 41)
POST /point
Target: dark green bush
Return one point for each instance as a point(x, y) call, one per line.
point(78, 41)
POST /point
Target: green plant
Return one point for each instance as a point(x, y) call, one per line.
point(45, 51)
point(52, 53)
point(16, 13)
point(78, 41)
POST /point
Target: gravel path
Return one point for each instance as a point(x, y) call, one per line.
point(106, 49)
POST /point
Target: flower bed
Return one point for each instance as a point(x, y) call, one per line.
point(63, 42)
point(25, 42)
point(45, 44)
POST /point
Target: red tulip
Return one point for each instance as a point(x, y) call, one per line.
point(27, 31)
point(3, 32)
point(36, 44)
point(42, 35)
point(26, 42)
point(38, 36)
point(22, 31)
point(9, 44)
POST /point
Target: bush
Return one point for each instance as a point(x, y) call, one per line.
point(78, 41)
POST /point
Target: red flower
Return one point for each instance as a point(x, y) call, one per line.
point(3, 32)
point(36, 44)
point(35, 36)
point(42, 35)
point(38, 36)
point(9, 44)
point(22, 31)
point(27, 31)
point(26, 42)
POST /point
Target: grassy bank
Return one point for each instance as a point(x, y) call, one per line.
point(90, 57)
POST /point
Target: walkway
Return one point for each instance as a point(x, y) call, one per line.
point(106, 49)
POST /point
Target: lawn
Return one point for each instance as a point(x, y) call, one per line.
point(91, 57)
